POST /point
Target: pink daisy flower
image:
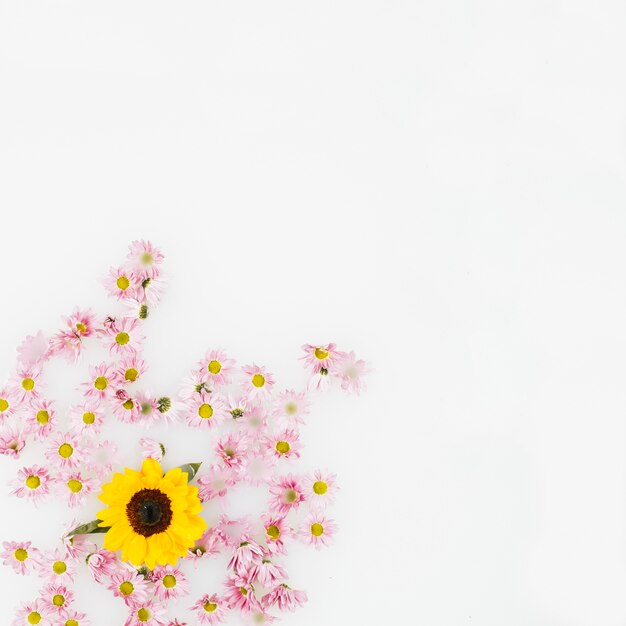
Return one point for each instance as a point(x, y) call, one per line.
point(276, 531)
point(287, 492)
point(87, 418)
point(26, 383)
point(125, 408)
point(351, 371)
point(169, 582)
point(320, 488)
point(102, 563)
point(268, 573)
point(77, 546)
point(130, 369)
point(205, 410)
point(284, 445)
point(286, 598)
point(321, 357)
point(102, 458)
point(75, 486)
point(40, 418)
point(216, 482)
point(217, 367)
point(151, 449)
point(57, 597)
point(259, 617)
point(8, 403)
point(148, 408)
point(145, 258)
point(12, 442)
point(73, 618)
point(101, 378)
point(136, 309)
point(207, 546)
point(193, 384)
point(247, 553)
point(258, 467)
point(237, 406)
point(291, 407)
point(20, 555)
point(57, 566)
point(33, 350)
point(65, 451)
point(258, 382)
point(317, 530)
point(210, 609)
point(233, 449)
point(69, 340)
point(150, 291)
point(230, 530)
point(255, 420)
point(146, 614)
point(131, 586)
point(240, 594)
point(30, 613)
point(124, 337)
point(121, 283)
point(33, 483)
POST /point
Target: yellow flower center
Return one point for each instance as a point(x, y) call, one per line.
point(205, 411)
point(122, 283)
point(147, 258)
point(71, 622)
point(58, 600)
point(4, 405)
point(43, 417)
point(209, 607)
point(169, 581)
point(66, 451)
point(81, 328)
point(317, 530)
point(131, 374)
point(101, 383)
point(320, 487)
point(32, 482)
point(214, 367)
point(283, 447)
point(122, 338)
point(89, 417)
point(59, 567)
point(126, 588)
point(128, 405)
point(20, 554)
point(321, 354)
point(291, 408)
point(34, 617)
point(74, 485)
point(28, 384)
point(258, 380)
point(291, 495)
point(143, 615)
point(273, 532)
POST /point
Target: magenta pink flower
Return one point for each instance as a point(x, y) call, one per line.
point(247, 553)
point(26, 383)
point(102, 563)
point(87, 418)
point(217, 368)
point(351, 371)
point(286, 598)
point(205, 410)
point(284, 445)
point(240, 594)
point(276, 531)
point(65, 451)
point(68, 341)
point(12, 442)
point(130, 370)
point(320, 488)
point(20, 555)
point(145, 259)
point(258, 382)
point(269, 573)
point(287, 492)
point(125, 408)
point(57, 566)
point(101, 378)
point(121, 283)
point(169, 583)
point(124, 337)
point(210, 609)
point(73, 618)
point(232, 449)
point(75, 487)
point(40, 418)
point(131, 586)
point(317, 530)
point(33, 483)
point(57, 597)
point(35, 612)
point(291, 407)
point(8, 403)
point(216, 482)
point(147, 614)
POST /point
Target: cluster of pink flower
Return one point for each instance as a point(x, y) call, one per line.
point(256, 433)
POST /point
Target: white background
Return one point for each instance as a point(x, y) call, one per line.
point(437, 185)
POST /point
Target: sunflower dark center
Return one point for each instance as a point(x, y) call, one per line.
point(149, 512)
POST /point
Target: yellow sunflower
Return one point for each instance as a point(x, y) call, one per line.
point(152, 518)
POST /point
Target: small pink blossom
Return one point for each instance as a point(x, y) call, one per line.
point(210, 609)
point(130, 370)
point(20, 555)
point(232, 449)
point(147, 614)
point(287, 492)
point(35, 612)
point(169, 583)
point(276, 531)
point(255, 420)
point(258, 382)
point(258, 467)
point(247, 553)
point(102, 458)
point(291, 407)
point(57, 566)
point(26, 383)
point(121, 283)
point(284, 445)
point(75, 487)
point(101, 378)
point(151, 449)
point(286, 598)
point(351, 371)
point(125, 408)
point(40, 418)
point(321, 357)
point(320, 488)
point(102, 563)
point(317, 530)
point(33, 483)
point(124, 337)
point(207, 546)
point(131, 586)
point(87, 418)
point(77, 546)
point(57, 597)
point(145, 258)
point(12, 442)
point(33, 350)
point(68, 341)
point(70, 616)
point(217, 367)
point(148, 408)
point(240, 594)
point(205, 410)
point(65, 451)
point(216, 482)
point(8, 403)
point(268, 573)
point(230, 530)
point(237, 406)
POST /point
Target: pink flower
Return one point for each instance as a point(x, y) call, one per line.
point(33, 350)
point(26, 383)
point(258, 467)
point(74, 618)
point(151, 449)
point(101, 378)
point(145, 258)
point(317, 530)
point(254, 420)
point(65, 451)
point(149, 293)
point(232, 449)
point(149, 408)
point(30, 613)
point(20, 555)
point(321, 357)
point(240, 594)
point(146, 614)
point(130, 369)
point(102, 458)
point(8, 403)
point(287, 492)
point(351, 371)
point(102, 564)
point(131, 586)
point(87, 418)
point(33, 483)
point(193, 384)
point(125, 408)
point(210, 609)
point(321, 488)
point(121, 283)
point(57, 566)
point(291, 407)
point(258, 382)
point(77, 546)
point(259, 617)
point(205, 410)
point(237, 406)
point(124, 337)
point(75, 487)
point(12, 442)
point(69, 340)
point(207, 546)
point(247, 553)
point(216, 482)
point(217, 367)
point(169, 582)
point(269, 573)
point(276, 531)
point(284, 445)
point(286, 598)
point(57, 597)
point(40, 418)
point(230, 530)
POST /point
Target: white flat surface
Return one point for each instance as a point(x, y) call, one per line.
point(439, 186)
